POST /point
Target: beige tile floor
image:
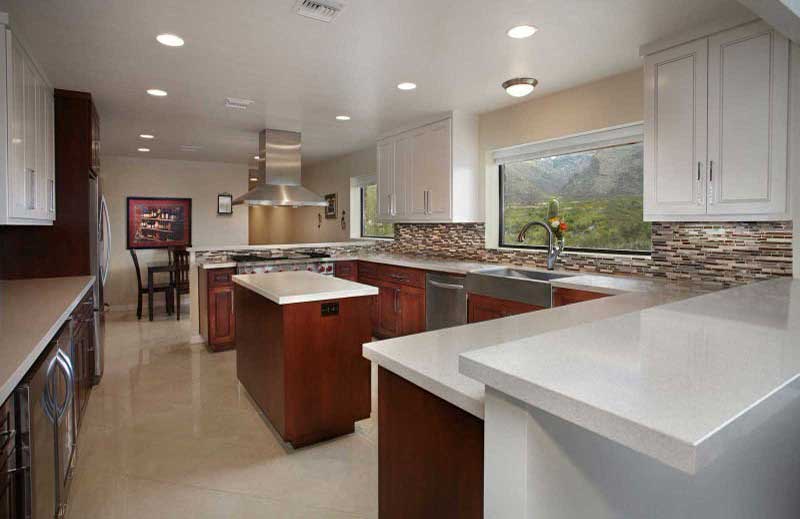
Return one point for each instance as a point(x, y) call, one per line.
point(169, 433)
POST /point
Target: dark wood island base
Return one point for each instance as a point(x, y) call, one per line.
point(430, 454)
point(301, 363)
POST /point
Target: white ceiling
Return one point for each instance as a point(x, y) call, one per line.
point(302, 73)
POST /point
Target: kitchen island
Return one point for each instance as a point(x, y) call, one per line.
point(298, 351)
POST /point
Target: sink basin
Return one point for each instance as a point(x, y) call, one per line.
point(527, 275)
point(514, 284)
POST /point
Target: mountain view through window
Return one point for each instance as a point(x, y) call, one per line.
point(599, 193)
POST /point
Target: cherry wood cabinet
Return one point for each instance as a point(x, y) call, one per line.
point(567, 296)
point(484, 308)
point(346, 270)
point(399, 308)
point(217, 316)
point(430, 454)
point(302, 363)
point(83, 353)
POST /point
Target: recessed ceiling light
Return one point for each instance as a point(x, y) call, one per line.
point(256, 157)
point(156, 92)
point(342, 117)
point(253, 179)
point(143, 150)
point(520, 86)
point(407, 86)
point(146, 136)
point(521, 31)
point(170, 40)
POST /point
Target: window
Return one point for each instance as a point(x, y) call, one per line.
point(370, 226)
point(598, 186)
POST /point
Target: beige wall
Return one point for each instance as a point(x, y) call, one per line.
point(288, 225)
point(200, 181)
point(607, 102)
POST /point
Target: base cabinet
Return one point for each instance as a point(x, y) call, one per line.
point(568, 296)
point(217, 316)
point(399, 308)
point(484, 308)
point(430, 454)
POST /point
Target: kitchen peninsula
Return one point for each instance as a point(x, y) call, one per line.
point(298, 351)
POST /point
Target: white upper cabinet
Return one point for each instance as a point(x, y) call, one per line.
point(27, 169)
point(430, 173)
point(675, 130)
point(716, 126)
point(748, 87)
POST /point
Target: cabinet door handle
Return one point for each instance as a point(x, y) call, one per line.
point(396, 301)
point(711, 182)
point(699, 184)
point(699, 165)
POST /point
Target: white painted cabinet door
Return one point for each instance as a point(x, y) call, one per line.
point(419, 174)
point(386, 176)
point(403, 159)
point(16, 127)
point(748, 121)
point(50, 153)
point(675, 131)
point(440, 171)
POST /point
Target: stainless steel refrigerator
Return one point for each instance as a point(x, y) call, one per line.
point(101, 260)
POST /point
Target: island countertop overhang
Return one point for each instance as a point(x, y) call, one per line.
point(284, 288)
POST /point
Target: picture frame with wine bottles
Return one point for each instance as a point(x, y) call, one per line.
point(158, 223)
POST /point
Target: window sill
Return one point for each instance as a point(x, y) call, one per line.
point(374, 238)
point(609, 255)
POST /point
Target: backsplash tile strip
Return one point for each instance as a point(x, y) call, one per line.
point(715, 254)
point(722, 254)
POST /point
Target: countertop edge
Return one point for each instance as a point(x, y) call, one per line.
point(16, 377)
point(305, 298)
point(449, 394)
point(671, 451)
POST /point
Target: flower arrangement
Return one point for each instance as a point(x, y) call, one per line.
point(556, 221)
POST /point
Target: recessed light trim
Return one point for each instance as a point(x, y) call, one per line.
point(253, 179)
point(170, 40)
point(520, 32)
point(157, 92)
point(407, 85)
point(342, 117)
point(256, 157)
point(520, 86)
point(143, 150)
point(146, 136)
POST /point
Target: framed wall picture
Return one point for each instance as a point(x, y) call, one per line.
point(224, 203)
point(157, 223)
point(330, 209)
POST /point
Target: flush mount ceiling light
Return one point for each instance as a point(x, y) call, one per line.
point(521, 31)
point(520, 86)
point(407, 86)
point(342, 117)
point(143, 150)
point(146, 136)
point(157, 92)
point(170, 40)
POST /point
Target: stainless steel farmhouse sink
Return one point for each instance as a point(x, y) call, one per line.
point(514, 284)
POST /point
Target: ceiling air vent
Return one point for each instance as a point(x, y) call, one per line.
point(239, 104)
point(323, 10)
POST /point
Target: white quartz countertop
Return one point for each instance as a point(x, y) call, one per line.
point(430, 359)
point(31, 313)
point(286, 288)
point(678, 382)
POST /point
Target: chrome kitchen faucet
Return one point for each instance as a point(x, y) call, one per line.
point(553, 249)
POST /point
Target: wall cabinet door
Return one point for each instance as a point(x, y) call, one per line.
point(675, 131)
point(386, 159)
point(16, 164)
point(748, 119)
point(440, 171)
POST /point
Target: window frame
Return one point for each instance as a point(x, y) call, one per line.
point(588, 141)
point(362, 191)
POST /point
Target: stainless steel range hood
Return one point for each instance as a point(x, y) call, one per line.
point(279, 173)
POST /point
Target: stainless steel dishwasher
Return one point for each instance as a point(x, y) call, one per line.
point(445, 301)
